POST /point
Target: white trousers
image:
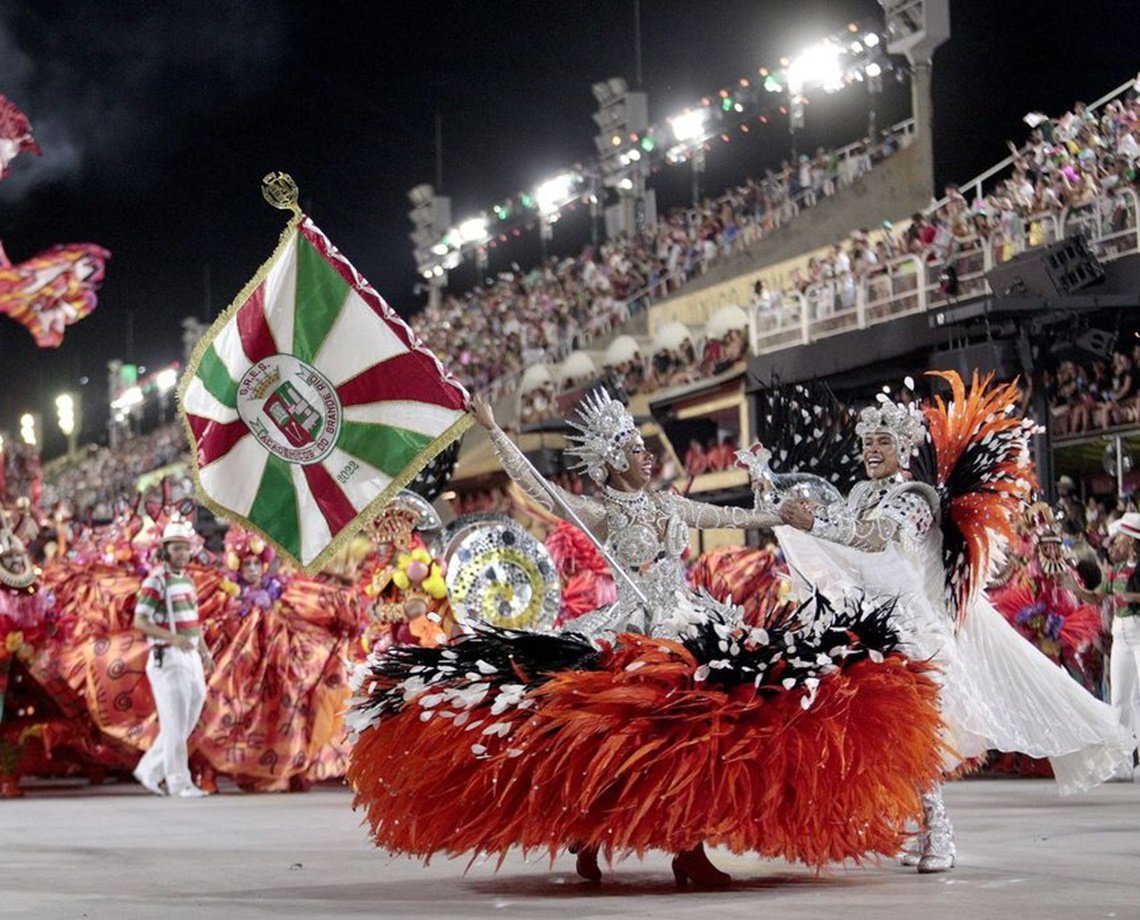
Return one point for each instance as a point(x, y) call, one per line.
point(1124, 670)
point(179, 688)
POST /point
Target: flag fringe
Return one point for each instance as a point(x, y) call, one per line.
point(292, 228)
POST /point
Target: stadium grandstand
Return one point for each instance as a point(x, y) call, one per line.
point(732, 287)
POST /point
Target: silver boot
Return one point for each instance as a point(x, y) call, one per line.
point(938, 846)
point(912, 850)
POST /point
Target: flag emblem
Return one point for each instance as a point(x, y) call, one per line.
point(310, 402)
point(291, 408)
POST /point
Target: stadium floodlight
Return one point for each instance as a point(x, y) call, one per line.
point(29, 429)
point(689, 126)
point(554, 193)
point(65, 412)
point(472, 231)
point(816, 65)
point(166, 380)
point(128, 399)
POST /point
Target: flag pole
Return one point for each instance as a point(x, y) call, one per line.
point(552, 494)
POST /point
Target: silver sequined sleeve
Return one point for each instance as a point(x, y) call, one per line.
point(706, 517)
point(905, 517)
point(590, 511)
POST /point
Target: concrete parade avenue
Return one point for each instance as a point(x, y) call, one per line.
point(114, 851)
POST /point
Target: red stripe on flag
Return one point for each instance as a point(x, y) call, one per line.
point(408, 376)
point(334, 504)
point(367, 293)
point(256, 337)
point(215, 439)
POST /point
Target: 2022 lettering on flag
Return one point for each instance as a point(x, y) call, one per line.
point(310, 402)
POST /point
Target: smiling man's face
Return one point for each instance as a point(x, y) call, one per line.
point(880, 456)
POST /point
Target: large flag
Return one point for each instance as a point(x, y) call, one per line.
point(310, 402)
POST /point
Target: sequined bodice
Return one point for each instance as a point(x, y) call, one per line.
point(645, 533)
point(640, 528)
point(647, 537)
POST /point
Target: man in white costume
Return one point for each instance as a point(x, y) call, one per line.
point(997, 690)
point(178, 660)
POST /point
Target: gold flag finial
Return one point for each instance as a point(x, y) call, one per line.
point(281, 191)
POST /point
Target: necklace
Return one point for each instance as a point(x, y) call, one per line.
point(628, 499)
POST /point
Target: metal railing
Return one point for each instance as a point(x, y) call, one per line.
point(853, 165)
point(914, 284)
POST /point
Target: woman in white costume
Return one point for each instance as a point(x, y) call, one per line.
point(931, 544)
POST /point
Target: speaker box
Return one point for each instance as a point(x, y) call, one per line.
point(1000, 357)
point(1060, 269)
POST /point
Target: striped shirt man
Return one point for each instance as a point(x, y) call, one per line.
point(169, 600)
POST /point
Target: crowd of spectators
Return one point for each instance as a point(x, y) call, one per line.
point(91, 480)
point(638, 373)
point(1089, 397)
point(519, 317)
point(1067, 164)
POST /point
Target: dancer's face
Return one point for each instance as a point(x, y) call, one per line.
point(880, 455)
point(640, 470)
point(15, 562)
point(1121, 548)
point(251, 571)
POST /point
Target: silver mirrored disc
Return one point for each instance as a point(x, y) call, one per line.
point(498, 573)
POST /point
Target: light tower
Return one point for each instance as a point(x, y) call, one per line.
point(915, 28)
point(431, 217)
point(67, 413)
point(622, 119)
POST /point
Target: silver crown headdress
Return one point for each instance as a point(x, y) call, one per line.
point(605, 428)
point(905, 423)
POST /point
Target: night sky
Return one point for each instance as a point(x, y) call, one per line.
point(158, 120)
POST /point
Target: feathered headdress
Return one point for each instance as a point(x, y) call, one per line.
point(242, 543)
point(605, 429)
point(904, 423)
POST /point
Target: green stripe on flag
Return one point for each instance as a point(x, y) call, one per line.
point(274, 507)
point(320, 296)
point(385, 447)
point(216, 379)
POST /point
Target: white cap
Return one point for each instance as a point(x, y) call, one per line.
point(1129, 525)
point(178, 530)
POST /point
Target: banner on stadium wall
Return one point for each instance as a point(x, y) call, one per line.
point(310, 402)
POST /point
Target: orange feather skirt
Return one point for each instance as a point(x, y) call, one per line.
point(806, 742)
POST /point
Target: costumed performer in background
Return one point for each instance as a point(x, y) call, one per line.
point(930, 539)
point(669, 724)
point(281, 640)
point(1121, 589)
point(403, 595)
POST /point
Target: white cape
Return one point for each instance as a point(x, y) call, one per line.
point(998, 691)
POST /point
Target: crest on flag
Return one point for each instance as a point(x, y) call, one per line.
point(310, 403)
